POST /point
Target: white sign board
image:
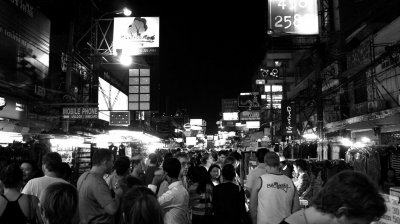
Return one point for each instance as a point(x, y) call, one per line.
point(136, 35)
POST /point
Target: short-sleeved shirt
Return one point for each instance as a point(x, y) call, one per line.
point(275, 198)
point(37, 185)
point(94, 196)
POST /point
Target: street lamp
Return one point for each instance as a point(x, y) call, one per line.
point(127, 12)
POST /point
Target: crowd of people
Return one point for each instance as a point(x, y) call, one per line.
point(181, 187)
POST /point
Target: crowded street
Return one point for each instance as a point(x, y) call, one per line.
point(214, 112)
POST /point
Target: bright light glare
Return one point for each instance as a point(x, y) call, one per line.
point(365, 140)
point(10, 137)
point(346, 142)
point(359, 145)
point(310, 136)
point(125, 60)
point(127, 12)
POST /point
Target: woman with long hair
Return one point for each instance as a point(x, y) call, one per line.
point(215, 174)
point(302, 180)
point(15, 207)
point(200, 196)
point(140, 205)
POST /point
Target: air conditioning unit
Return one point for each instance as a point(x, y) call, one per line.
point(398, 99)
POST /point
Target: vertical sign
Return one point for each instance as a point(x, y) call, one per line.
point(293, 16)
point(139, 89)
point(288, 119)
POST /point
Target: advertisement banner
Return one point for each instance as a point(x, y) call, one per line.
point(250, 100)
point(230, 116)
point(288, 119)
point(136, 35)
point(293, 16)
point(229, 105)
point(251, 115)
point(24, 46)
point(80, 112)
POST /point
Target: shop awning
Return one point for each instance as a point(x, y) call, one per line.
point(384, 118)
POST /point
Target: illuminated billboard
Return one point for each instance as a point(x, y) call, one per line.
point(253, 124)
point(136, 35)
point(24, 47)
point(230, 116)
point(293, 16)
point(110, 99)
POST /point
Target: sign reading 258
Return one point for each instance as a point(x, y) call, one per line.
point(293, 16)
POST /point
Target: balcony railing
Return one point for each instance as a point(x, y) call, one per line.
point(367, 107)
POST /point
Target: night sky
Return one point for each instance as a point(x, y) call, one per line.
point(209, 50)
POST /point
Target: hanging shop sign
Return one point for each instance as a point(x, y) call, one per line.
point(136, 35)
point(288, 119)
point(119, 118)
point(251, 115)
point(80, 112)
point(293, 16)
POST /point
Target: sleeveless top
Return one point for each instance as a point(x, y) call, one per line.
point(275, 198)
point(13, 213)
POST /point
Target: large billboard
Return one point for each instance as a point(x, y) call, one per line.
point(110, 99)
point(136, 35)
point(24, 47)
point(293, 16)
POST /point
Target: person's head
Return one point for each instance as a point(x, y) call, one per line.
point(103, 159)
point(128, 182)
point(184, 160)
point(228, 172)
point(140, 205)
point(260, 154)
point(65, 171)
point(214, 171)
point(122, 165)
point(172, 167)
point(237, 156)
point(137, 163)
point(222, 156)
point(29, 168)
point(51, 162)
point(207, 159)
point(153, 159)
point(300, 165)
point(271, 159)
point(59, 204)
point(350, 196)
point(231, 160)
point(11, 176)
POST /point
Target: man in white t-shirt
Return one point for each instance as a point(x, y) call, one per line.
point(258, 171)
point(51, 164)
point(273, 196)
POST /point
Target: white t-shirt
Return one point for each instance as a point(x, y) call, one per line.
point(275, 198)
point(254, 175)
point(37, 185)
